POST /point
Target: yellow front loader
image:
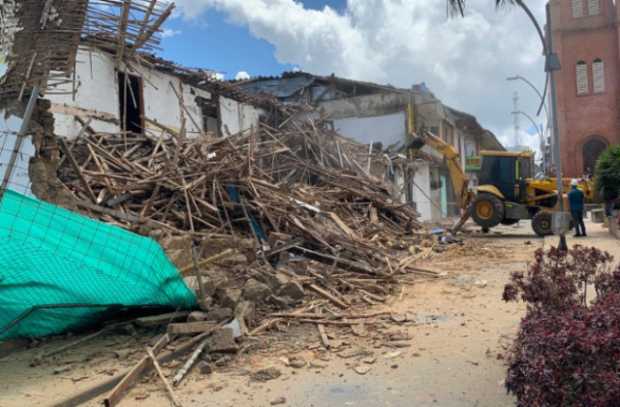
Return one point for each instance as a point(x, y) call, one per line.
point(507, 190)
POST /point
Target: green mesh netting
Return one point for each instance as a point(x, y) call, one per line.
point(56, 264)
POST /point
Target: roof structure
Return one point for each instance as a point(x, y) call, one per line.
point(291, 84)
point(41, 37)
point(469, 124)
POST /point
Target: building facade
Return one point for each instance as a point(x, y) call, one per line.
point(144, 98)
point(586, 39)
point(383, 115)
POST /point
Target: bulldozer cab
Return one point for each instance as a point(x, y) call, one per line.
point(508, 172)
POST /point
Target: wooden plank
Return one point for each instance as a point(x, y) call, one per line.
point(122, 32)
point(83, 113)
point(110, 384)
point(190, 327)
point(327, 295)
point(67, 151)
point(160, 373)
point(184, 370)
point(206, 261)
point(130, 379)
point(343, 226)
point(148, 33)
point(323, 335)
point(162, 319)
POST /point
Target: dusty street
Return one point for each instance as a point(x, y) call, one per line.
point(461, 330)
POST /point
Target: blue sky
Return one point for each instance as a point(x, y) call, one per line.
point(213, 42)
point(464, 61)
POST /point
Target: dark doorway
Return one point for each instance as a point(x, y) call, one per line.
point(210, 115)
point(592, 149)
point(131, 102)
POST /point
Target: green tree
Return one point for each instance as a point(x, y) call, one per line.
point(459, 5)
point(607, 173)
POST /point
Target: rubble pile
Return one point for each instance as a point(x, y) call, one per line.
point(270, 227)
point(296, 191)
point(267, 215)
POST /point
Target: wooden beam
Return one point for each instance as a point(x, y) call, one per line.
point(190, 327)
point(76, 167)
point(130, 379)
point(152, 29)
point(160, 373)
point(122, 32)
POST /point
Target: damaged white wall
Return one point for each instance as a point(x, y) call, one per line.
point(8, 27)
point(365, 106)
point(388, 129)
point(236, 116)
point(98, 92)
point(9, 127)
point(421, 191)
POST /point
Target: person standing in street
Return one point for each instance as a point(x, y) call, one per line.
point(576, 201)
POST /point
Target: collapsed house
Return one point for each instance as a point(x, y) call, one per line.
point(387, 117)
point(270, 213)
point(112, 132)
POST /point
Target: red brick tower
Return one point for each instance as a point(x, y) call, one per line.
point(586, 38)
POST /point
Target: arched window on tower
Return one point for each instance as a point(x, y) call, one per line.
point(578, 8)
point(594, 7)
point(582, 78)
point(598, 76)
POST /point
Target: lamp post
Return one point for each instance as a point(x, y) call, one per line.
point(538, 130)
point(543, 103)
point(552, 64)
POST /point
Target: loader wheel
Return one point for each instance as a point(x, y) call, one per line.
point(488, 210)
point(541, 223)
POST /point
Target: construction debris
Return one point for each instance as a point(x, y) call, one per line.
point(283, 188)
point(271, 227)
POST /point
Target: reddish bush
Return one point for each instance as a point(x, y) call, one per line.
point(567, 352)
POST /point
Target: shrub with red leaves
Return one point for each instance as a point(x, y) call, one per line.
point(567, 352)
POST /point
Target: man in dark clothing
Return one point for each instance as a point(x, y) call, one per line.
point(576, 200)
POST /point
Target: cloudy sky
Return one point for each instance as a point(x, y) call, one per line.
point(465, 61)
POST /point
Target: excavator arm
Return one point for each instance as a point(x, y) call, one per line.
point(458, 178)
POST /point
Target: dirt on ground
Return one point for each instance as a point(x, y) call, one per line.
point(447, 349)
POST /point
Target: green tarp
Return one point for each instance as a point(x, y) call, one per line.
point(56, 264)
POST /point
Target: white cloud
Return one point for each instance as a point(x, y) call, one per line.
point(169, 33)
point(242, 76)
point(463, 60)
point(218, 76)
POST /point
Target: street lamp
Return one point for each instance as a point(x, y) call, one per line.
point(538, 130)
point(552, 64)
point(543, 103)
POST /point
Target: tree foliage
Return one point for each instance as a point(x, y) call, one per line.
point(567, 351)
point(608, 173)
point(459, 5)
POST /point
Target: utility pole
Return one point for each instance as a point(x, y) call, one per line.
point(552, 64)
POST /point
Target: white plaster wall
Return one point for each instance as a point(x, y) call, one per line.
point(421, 190)
point(461, 148)
point(9, 127)
point(237, 117)
point(470, 147)
point(387, 129)
point(98, 90)
point(20, 179)
point(361, 106)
